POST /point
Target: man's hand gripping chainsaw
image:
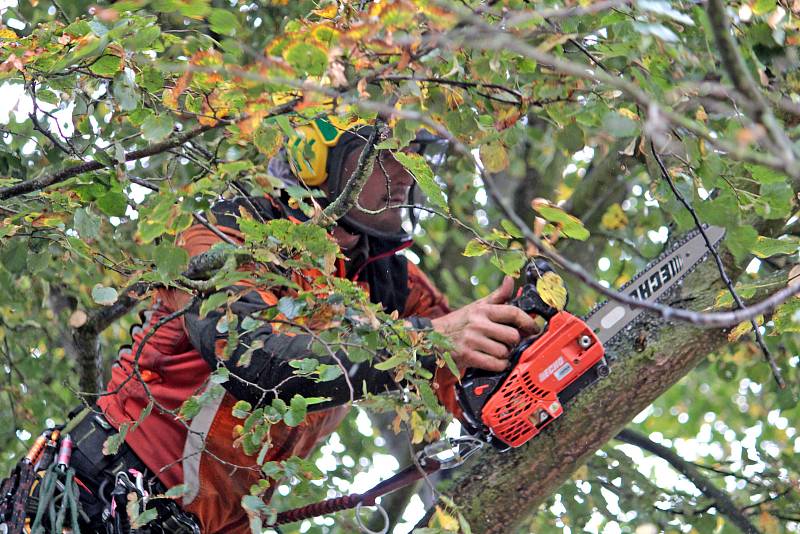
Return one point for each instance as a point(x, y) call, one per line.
point(509, 408)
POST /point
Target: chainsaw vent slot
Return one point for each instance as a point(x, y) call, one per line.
point(530, 384)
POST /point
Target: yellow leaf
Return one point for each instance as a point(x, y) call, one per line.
point(769, 523)
point(614, 218)
point(582, 473)
point(417, 428)
point(444, 520)
point(551, 288)
point(701, 114)
point(494, 156)
point(327, 12)
point(628, 113)
point(743, 328)
point(7, 34)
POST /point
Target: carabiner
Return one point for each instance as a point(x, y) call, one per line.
point(364, 529)
point(460, 449)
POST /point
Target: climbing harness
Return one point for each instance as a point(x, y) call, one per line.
point(440, 455)
point(44, 494)
point(41, 495)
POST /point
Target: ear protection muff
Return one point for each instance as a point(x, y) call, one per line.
point(309, 147)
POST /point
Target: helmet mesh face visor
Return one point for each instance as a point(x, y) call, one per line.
point(432, 147)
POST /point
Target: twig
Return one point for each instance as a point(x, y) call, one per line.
point(458, 83)
point(722, 500)
point(740, 76)
point(217, 232)
point(776, 372)
point(57, 177)
point(157, 148)
point(347, 199)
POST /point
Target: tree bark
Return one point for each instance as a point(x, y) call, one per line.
point(497, 491)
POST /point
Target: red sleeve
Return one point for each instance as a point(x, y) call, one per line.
point(424, 300)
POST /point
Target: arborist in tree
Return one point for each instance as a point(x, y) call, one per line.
point(176, 360)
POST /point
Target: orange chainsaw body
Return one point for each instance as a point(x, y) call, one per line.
point(528, 399)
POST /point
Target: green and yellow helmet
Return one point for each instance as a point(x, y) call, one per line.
point(316, 152)
point(308, 150)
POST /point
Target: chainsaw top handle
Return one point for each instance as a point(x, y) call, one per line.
point(528, 298)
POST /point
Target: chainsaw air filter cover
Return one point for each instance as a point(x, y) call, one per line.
point(513, 407)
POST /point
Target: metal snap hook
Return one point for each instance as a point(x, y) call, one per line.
point(364, 528)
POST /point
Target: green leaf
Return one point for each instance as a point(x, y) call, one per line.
point(140, 520)
point(187, 8)
point(220, 376)
point(305, 366)
point(241, 409)
point(190, 408)
point(423, 174)
point(777, 200)
point(15, 255)
point(143, 38)
point(150, 79)
point(787, 316)
point(509, 262)
point(740, 241)
point(105, 296)
point(570, 226)
point(268, 139)
point(329, 372)
point(115, 441)
point(170, 260)
point(157, 127)
point(392, 362)
point(765, 175)
point(177, 491)
point(307, 58)
point(224, 22)
point(108, 65)
point(719, 211)
point(113, 203)
point(766, 247)
point(494, 156)
point(571, 138)
point(297, 411)
point(475, 248)
point(617, 125)
point(124, 91)
point(511, 228)
point(290, 307)
point(86, 224)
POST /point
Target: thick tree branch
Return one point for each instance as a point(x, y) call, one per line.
point(722, 501)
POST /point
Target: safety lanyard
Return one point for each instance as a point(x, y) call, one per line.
point(445, 454)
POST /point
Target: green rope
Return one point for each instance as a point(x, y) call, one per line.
point(47, 501)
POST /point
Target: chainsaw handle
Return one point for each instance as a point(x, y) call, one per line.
point(528, 298)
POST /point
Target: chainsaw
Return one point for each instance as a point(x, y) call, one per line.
point(509, 408)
